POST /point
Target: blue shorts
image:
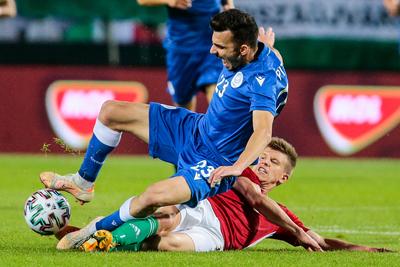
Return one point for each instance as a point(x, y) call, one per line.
point(189, 73)
point(173, 137)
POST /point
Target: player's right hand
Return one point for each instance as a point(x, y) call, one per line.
point(180, 4)
point(221, 172)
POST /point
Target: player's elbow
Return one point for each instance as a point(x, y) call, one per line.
point(255, 199)
point(250, 191)
point(263, 130)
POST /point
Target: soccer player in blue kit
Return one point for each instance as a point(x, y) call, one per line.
point(252, 89)
point(190, 66)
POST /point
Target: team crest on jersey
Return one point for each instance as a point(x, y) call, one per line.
point(237, 80)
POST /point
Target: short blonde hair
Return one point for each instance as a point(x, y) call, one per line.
point(281, 145)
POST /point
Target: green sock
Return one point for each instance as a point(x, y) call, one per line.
point(131, 247)
point(135, 231)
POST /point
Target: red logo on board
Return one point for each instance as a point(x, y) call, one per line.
point(73, 106)
point(352, 117)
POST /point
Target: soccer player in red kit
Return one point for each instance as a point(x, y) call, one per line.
point(223, 222)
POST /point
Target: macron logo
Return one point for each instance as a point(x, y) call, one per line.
point(260, 80)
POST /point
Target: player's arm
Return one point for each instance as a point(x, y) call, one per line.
point(181, 4)
point(262, 131)
point(337, 244)
point(8, 8)
point(268, 38)
point(327, 243)
point(271, 210)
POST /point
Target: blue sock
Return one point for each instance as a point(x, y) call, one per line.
point(117, 218)
point(95, 155)
point(110, 223)
point(103, 141)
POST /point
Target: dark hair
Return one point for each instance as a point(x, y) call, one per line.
point(242, 25)
point(286, 148)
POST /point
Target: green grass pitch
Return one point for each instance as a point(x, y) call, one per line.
point(356, 200)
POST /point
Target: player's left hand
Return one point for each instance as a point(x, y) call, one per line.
point(266, 37)
point(308, 242)
point(66, 230)
point(221, 172)
point(392, 7)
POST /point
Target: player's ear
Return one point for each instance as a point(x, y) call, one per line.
point(244, 49)
point(284, 178)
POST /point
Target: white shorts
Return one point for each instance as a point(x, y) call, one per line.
point(202, 226)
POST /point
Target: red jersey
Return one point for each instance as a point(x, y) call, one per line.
point(241, 225)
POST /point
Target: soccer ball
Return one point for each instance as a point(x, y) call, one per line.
point(47, 211)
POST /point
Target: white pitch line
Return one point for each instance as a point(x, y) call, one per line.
point(350, 231)
point(357, 208)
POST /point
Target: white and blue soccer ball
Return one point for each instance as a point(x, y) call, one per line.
point(47, 211)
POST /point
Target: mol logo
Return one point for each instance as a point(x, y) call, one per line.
point(352, 117)
point(73, 106)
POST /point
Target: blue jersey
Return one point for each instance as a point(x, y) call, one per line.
point(188, 30)
point(260, 85)
point(200, 143)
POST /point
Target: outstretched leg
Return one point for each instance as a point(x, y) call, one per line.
point(164, 193)
point(114, 118)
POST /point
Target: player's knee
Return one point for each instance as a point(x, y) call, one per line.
point(164, 193)
point(107, 112)
point(154, 196)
